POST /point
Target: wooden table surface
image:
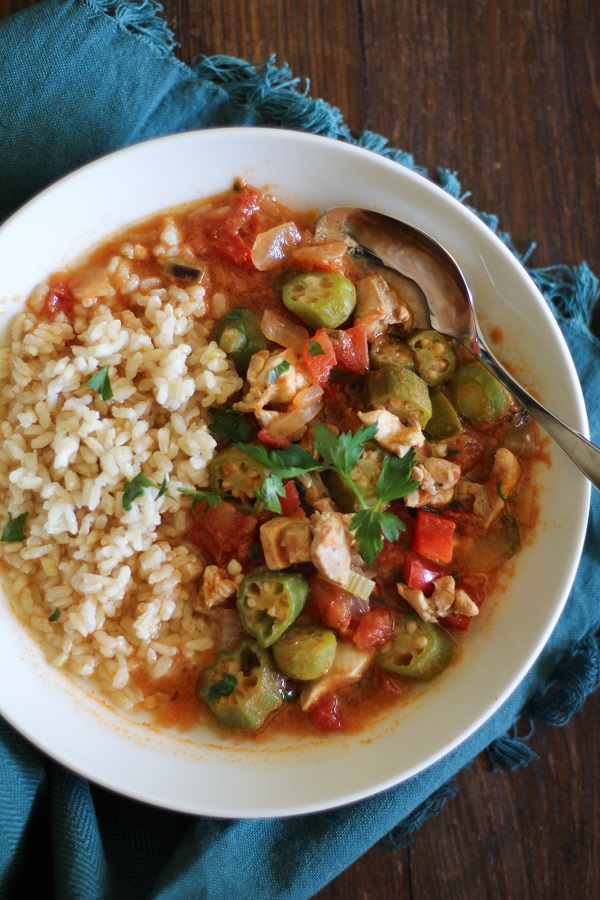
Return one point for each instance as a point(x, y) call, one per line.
point(507, 93)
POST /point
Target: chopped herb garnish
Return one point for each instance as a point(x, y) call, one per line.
point(230, 425)
point(499, 491)
point(136, 487)
point(222, 688)
point(315, 348)
point(54, 616)
point(208, 497)
point(100, 382)
point(277, 371)
point(13, 530)
point(340, 453)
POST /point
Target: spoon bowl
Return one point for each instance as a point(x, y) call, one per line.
point(375, 238)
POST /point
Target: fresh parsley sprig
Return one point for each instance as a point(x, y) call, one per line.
point(340, 453)
point(370, 526)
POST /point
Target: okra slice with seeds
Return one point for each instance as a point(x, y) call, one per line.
point(401, 392)
point(417, 650)
point(242, 687)
point(478, 397)
point(233, 472)
point(390, 350)
point(434, 357)
point(239, 335)
point(306, 651)
point(268, 603)
point(320, 299)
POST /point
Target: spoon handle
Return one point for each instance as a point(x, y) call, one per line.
point(584, 454)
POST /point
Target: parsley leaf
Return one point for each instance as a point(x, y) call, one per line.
point(13, 530)
point(315, 348)
point(499, 491)
point(222, 688)
point(209, 497)
point(54, 616)
point(136, 487)
point(367, 531)
point(230, 425)
point(342, 451)
point(100, 382)
point(277, 371)
point(395, 479)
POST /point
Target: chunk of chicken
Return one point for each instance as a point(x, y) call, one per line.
point(378, 307)
point(286, 541)
point(438, 478)
point(446, 599)
point(268, 386)
point(391, 433)
point(348, 667)
point(487, 498)
point(330, 547)
point(217, 587)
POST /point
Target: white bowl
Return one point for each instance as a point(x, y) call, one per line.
point(195, 772)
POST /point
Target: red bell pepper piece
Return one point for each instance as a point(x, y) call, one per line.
point(420, 573)
point(319, 357)
point(432, 536)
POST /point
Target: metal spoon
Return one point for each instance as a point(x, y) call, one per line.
point(374, 237)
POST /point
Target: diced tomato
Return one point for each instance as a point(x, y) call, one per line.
point(223, 532)
point(291, 501)
point(272, 438)
point(432, 536)
point(420, 573)
point(351, 349)
point(326, 714)
point(59, 298)
point(233, 232)
point(391, 558)
point(374, 629)
point(334, 605)
point(319, 357)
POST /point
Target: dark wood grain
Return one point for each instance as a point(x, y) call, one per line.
point(507, 93)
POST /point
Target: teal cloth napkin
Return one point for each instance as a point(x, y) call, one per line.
point(80, 78)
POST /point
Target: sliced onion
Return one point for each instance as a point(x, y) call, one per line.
point(307, 396)
point(94, 283)
point(292, 424)
point(230, 628)
point(282, 331)
point(272, 247)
